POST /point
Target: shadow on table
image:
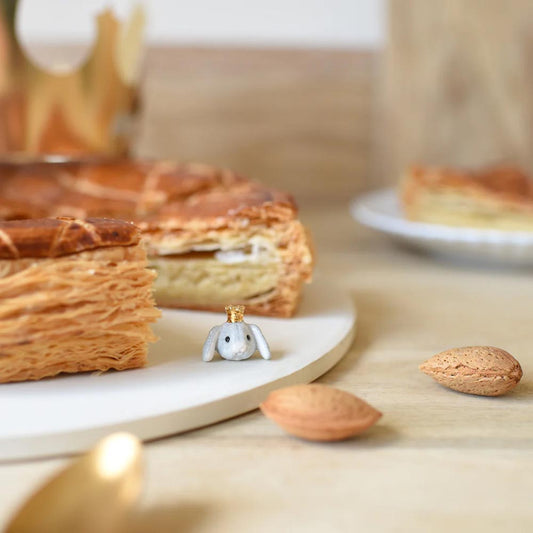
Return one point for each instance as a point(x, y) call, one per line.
point(524, 389)
point(183, 517)
point(464, 263)
point(372, 310)
point(378, 436)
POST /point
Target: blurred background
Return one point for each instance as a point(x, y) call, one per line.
point(308, 23)
point(281, 91)
point(322, 98)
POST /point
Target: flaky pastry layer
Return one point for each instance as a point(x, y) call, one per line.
point(499, 198)
point(80, 312)
point(179, 208)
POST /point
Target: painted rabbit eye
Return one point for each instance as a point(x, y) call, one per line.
point(227, 339)
point(248, 337)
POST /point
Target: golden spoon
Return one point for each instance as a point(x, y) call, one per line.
point(92, 494)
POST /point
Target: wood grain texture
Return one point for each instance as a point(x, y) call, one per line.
point(298, 120)
point(437, 461)
point(458, 83)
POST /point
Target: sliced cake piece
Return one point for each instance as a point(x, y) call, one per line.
point(75, 296)
point(499, 197)
point(214, 237)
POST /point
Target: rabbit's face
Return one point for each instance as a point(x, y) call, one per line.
point(236, 341)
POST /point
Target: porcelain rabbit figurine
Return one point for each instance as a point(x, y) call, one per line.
point(235, 339)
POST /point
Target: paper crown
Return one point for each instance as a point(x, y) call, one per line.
point(87, 111)
point(235, 313)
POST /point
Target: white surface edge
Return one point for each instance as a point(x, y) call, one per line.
point(175, 422)
point(363, 211)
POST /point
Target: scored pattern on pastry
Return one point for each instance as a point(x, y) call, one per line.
point(151, 196)
point(87, 310)
point(8, 242)
point(81, 182)
point(211, 234)
point(69, 224)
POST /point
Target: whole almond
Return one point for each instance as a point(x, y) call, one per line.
point(481, 370)
point(318, 412)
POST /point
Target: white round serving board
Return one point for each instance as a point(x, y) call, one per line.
point(381, 211)
point(177, 391)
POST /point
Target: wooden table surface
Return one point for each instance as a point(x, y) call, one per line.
point(436, 461)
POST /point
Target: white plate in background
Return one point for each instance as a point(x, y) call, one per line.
point(381, 211)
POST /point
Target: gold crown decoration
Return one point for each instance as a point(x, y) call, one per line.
point(235, 313)
point(87, 111)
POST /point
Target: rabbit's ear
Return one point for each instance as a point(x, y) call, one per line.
point(208, 351)
point(262, 344)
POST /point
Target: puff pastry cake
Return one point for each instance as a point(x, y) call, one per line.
point(75, 295)
point(498, 197)
point(212, 236)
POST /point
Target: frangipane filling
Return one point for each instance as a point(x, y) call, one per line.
point(214, 277)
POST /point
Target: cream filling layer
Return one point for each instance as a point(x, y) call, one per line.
point(221, 277)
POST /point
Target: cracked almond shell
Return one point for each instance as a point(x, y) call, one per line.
point(481, 370)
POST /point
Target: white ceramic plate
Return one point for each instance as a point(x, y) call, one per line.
point(177, 391)
point(381, 211)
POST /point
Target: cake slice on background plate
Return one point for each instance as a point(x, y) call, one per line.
point(494, 198)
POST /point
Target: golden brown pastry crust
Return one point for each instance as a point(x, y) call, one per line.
point(151, 194)
point(54, 237)
point(492, 197)
point(164, 198)
point(506, 185)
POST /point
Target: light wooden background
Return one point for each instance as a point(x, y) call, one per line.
point(438, 461)
point(459, 78)
point(297, 119)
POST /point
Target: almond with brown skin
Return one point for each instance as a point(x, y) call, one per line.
point(319, 412)
point(481, 370)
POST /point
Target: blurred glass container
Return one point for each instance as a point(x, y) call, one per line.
point(88, 111)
